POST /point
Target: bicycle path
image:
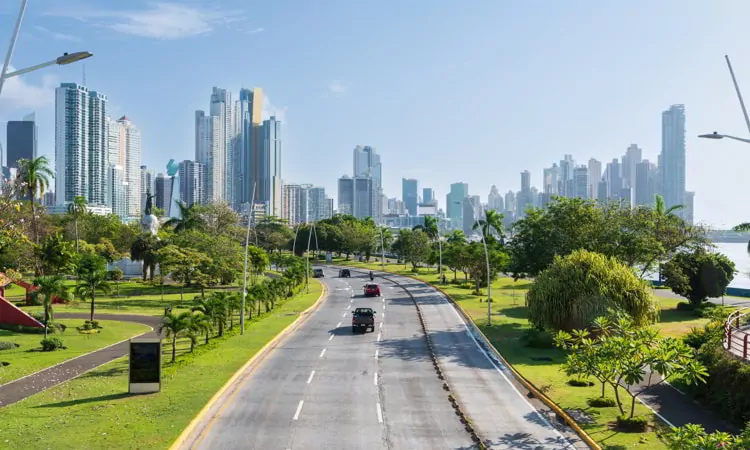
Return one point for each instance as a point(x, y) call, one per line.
point(29, 385)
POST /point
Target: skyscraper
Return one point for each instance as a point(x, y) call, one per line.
point(644, 183)
point(595, 176)
point(454, 203)
point(363, 197)
point(470, 207)
point(81, 147)
point(132, 147)
point(221, 107)
point(163, 194)
point(367, 164)
point(192, 182)
point(566, 176)
point(689, 203)
point(614, 179)
point(346, 195)
point(292, 209)
point(118, 191)
point(551, 180)
point(209, 152)
point(21, 140)
point(318, 204)
point(525, 181)
point(581, 185)
point(248, 121)
point(495, 200)
point(672, 158)
point(633, 156)
point(428, 196)
point(269, 167)
point(525, 198)
point(409, 194)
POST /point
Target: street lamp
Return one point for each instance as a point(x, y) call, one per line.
point(250, 216)
point(66, 58)
point(716, 135)
point(382, 249)
point(307, 260)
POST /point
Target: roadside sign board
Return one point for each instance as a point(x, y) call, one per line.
point(329, 258)
point(145, 366)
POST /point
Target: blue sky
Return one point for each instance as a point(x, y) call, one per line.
point(446, 91)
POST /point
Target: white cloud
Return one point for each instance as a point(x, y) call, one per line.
point(256, 31)
point(18, 95)
point(269, 109)
point(337, 88)
point(57, 36)
point(162, 20)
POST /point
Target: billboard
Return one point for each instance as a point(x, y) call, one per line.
point(145, 366)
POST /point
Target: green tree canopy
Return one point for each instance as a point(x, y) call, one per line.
point(583, 285)
point(698, 275)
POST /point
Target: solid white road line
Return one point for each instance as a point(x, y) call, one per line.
point(311, 377)
point(299, 410)
point(378, 337)
point(380, 413)
point(338, 325)
point(322, 353)
point(376, 353)
point(375, 379)
point(331, 338)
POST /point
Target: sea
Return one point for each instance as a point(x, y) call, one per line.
point(737, 252)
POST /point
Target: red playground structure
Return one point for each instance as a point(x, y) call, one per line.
point(10, 313)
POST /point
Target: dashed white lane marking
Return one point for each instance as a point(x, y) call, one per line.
point(322, 353)
point(381, 324)
point(382, 317)
point(375, 379)
point(312, 374)
point(376, 353)
point(343, 314)
point(384, 305)
point(351, 301)
point(299, 409)
point(380, 413)
point(331, 338)
point(338, 325)
point(348, 306)
point(379, 337)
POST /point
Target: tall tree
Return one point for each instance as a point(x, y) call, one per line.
point(35, 175)
point(145, 248)
point(48, 288)
point(76, 209)
point(89, 283)
point(493, 221)
point(174, 326)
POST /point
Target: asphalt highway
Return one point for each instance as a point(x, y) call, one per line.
point(326, 387)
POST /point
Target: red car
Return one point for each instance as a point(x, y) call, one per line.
point(372, 290)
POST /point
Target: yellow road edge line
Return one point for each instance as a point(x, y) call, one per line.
point(526, 383)
point(257, 357)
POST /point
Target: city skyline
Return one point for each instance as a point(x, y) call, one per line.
point(548, 105)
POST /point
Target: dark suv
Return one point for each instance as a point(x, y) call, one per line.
point(344, 273)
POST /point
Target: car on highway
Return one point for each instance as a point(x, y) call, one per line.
point(362, 319)
point(372, 290)
point(318, 273)
point(344, 273)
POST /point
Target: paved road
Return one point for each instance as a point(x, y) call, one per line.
point(325, 387)
point(24, 387)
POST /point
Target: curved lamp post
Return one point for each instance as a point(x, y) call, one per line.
point(487, 260)
point(250, 216)
point(716, 135)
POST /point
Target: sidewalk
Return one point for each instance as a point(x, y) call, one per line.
point(29, 385)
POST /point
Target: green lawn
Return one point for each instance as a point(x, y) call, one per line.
point(542, 366)
point(95, 409)
point(27, 358)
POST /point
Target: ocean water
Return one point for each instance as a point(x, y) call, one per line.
point(737, 252)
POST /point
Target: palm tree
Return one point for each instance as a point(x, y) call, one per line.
point(48, 288)
point(175, 326)
point(492, 221)
point(91, 281)
point(214, 308)
point(35, 175)
point(75, 209)
point(430, 227)
point(662, 214)
point(189, 219)
point(202, 324)
point(144, 249)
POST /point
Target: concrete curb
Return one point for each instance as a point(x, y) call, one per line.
point(492, 351)
point(463, 417)
point(243, 371)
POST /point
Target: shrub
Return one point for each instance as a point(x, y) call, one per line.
point(536, 338)
point(685, 306)
point(698, 275)
point(52, 344)
point(91, 325)
point(632, 424)
point(696, 337)
point(5, 345)
point(580, 383)
point(582, 286)
point(601, 402)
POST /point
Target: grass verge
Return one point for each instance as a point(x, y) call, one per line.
point(95, 409)
point(28, 357)
point(541, 366)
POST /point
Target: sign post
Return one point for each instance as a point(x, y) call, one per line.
point(145, 366)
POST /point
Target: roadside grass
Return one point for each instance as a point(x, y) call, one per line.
point(541, 366)
point(95, 409)
point(28, 357)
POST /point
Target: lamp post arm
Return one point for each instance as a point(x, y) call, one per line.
point(30, 69)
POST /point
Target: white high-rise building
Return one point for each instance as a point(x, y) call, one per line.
point(269, 170)
point(595, 176)
point(118, 191)
point(672, 158)
point(495, 200)
point(192, 182)
point(130, 145)
point(98, 150)
point(222, 107)
point(367, 164)
point(295, 208)
point(71, 142)
point(210, 153)
point(318, 204)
